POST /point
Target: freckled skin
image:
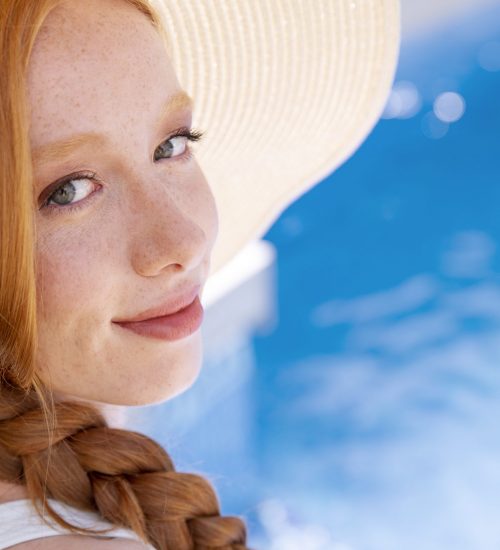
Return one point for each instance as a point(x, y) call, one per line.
point(100, 66)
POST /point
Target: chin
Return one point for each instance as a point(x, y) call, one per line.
point(164, 378)
point(149, 380)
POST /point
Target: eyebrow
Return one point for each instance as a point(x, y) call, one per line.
point(181, 100)
point(57, 150)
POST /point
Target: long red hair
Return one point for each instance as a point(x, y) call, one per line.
point(65, 450)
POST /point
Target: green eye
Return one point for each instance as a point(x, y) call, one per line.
point(176, 145)
point(172, 147)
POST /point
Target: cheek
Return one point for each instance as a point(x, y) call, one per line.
point(72, 302)
point(68, 276)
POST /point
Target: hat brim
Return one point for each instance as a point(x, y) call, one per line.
point(285, 90)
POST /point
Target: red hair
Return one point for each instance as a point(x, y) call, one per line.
point(66, 450)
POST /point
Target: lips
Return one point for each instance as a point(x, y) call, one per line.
point(178, 302)
point(175, 326)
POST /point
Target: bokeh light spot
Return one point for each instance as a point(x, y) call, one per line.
point(449, 107)
point(433, 127)
point(404, 101)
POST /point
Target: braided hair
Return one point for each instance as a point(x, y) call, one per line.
point(65, 450)
point(132, 484)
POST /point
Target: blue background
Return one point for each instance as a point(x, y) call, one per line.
point(371, 412)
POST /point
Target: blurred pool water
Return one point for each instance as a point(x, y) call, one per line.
point(366, 417)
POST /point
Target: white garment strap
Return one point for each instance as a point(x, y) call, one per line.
point(20, 522)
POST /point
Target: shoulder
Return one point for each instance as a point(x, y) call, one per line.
point(79, 542)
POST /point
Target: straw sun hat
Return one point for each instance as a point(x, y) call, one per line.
point(285, 90)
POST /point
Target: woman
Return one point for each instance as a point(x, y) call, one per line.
point(109, 225)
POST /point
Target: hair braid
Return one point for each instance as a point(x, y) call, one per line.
point(124, 475)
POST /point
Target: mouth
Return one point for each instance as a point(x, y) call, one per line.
point(173, 326)
point(177, 302)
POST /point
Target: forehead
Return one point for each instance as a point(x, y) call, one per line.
point(93, 63)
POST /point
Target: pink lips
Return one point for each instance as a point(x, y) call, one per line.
point(180, 301)
point(172, 326)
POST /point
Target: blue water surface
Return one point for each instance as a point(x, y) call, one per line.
point(368, 418)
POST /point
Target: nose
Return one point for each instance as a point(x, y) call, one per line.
point(166, 234)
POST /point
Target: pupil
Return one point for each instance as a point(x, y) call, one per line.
point(165, 149)
point(64, 194)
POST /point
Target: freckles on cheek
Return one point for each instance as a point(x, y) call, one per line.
point(66, 280)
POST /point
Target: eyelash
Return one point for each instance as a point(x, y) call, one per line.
point(190, 134)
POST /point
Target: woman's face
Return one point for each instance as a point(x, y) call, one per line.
point(129, 238)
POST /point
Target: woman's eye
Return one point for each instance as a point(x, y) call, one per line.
point(172, 147)
point(176, 145)
point(71, 191)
